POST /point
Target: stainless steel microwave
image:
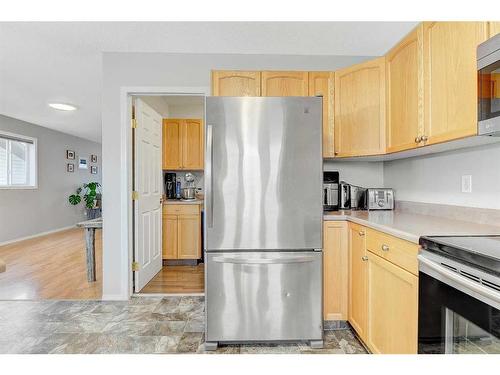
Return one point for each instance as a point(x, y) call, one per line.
point(488, 69)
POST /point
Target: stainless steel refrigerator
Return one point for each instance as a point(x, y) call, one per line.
point(263, 220)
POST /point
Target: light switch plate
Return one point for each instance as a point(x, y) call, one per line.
point(467, 184)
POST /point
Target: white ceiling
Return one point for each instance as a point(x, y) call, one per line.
point(46, 62)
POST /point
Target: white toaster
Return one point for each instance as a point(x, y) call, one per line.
point(380, 199)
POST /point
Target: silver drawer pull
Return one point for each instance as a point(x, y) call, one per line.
point(361, 233)
point(385, 248)
point(364, 258)
point(263, 260)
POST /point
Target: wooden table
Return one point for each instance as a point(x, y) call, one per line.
point(90, 226)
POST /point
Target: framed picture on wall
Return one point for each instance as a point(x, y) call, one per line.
point(93, 158)
point(93, 169)
point(70, 167)
point(70, 155)
point(82, 163)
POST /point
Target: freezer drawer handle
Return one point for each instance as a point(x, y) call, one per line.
point(263, 261)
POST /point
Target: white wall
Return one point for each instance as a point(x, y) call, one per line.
point(437, 178)
point(29, 212)
point(365, 174)
point(187, 111)
point(159, 70)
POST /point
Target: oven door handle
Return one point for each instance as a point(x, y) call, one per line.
point(462, 283)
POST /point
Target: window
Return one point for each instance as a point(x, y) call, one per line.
point(17, 161)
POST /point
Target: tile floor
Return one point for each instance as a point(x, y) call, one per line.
point(141, 325)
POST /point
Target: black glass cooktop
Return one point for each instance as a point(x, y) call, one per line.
point(480, 251)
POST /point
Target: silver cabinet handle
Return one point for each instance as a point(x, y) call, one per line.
point(418, 139)
point(385, 248)
point(364, 258)
point(209, 177)
point(263, 260)
point(361, 233)
point(424, 138)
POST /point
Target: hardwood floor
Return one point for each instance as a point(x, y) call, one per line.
point(177, 279)
point(50, 267)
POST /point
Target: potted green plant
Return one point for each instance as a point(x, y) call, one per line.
point(91, 194)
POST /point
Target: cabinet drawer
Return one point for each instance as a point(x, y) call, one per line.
point(181, 209)
point(400, 252)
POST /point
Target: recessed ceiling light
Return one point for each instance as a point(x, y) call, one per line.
point(63, 106)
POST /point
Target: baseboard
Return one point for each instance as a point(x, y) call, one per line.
point(36, 235)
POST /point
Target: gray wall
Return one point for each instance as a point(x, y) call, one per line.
point(160, 70)
point(365, 174)
point(28, 212)
point(438, 178)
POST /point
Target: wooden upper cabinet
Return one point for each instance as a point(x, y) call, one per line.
point(450, 79)
point(235, 83)
point(360, 109)
point(171, 144)
point(192, 144)
point(284, 84)
point(404, 89)
point(358, 307)
point(493, 28)
point(321, 84)
point(183, 141)
point(393, 308)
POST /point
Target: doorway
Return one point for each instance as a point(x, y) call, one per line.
point(168, 171)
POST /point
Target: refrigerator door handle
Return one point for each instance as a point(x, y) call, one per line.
point(209, 177)
point(301, 259)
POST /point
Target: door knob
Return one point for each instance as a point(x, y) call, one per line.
point(361, 233)
point(364, 258)
point(418, 139)
point(385, 247)
point(424, 138)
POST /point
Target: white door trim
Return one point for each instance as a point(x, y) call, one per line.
point(125, 139)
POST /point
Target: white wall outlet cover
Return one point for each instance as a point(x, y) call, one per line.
point(467, 184)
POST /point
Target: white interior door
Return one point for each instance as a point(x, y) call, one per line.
point(148, 185)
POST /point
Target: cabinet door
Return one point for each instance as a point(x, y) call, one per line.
point(360, 109)
point(393, 301)
point(357, 280)
point(169, 240)
point(192, 144)
point(450, 79)
point(321, 84)
point(493, 28)
point(404, 89)
point(235, 83)
point(189, 233)
point(172, 144)
point(335, 270)
point(285, 84)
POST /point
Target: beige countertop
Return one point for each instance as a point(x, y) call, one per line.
point(180, 201)
point(410, 226)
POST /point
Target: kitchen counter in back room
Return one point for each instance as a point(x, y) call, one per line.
point(411, 226)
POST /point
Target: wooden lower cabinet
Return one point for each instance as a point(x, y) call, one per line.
point(357, 280)
point(392, 308)
point(383, 296)
point(169, 237)
point(181, 232)
point(335, 270)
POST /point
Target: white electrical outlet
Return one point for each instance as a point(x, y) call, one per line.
point(467, 184)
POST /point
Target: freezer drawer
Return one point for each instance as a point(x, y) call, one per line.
point(264, 296)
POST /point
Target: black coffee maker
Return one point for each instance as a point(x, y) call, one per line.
point(170, 179)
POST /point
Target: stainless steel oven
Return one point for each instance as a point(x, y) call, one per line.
point(488, 66)
point(459, 295)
